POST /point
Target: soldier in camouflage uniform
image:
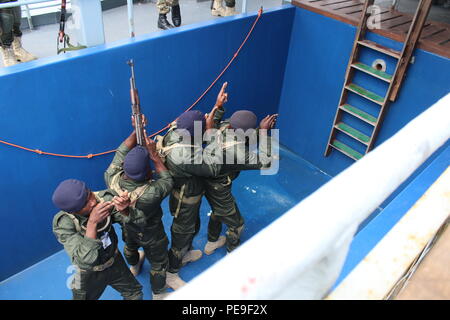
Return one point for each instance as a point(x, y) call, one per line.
point(84, 227)
point(130, 173)
point(11, 36)
point(219, 11)
point(185, 160)
point(185, 199)
point(218, 189)
point(164, 6)
point(189, 165)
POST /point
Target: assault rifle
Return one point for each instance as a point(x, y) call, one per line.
point(136, 107)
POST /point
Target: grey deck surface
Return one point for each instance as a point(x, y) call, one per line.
point(431, 281)
point(42, 41)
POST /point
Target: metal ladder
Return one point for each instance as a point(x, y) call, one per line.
point(395, 81)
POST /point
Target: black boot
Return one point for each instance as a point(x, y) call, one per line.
point(163, 23)
point(176, 16)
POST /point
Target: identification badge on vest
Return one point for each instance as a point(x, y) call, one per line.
point(106, 240)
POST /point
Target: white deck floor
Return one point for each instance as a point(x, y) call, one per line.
point(42, 40)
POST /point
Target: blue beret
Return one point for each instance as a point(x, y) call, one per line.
point(71, 195)
point(186, 120)
point(243, 119)
point(137, 163)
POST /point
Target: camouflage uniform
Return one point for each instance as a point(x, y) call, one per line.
point(97, 266)
point(165, 5)
point(218, 191)
point(185, 200)
point(9, 24)
point(224, 210)
point(228, 3)
point(143, 227)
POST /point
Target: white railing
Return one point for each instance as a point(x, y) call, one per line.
point(25, 2)
point(300, 255)
point(130, 17)
point(57, 3)
point(35, 6)
point(244, 6)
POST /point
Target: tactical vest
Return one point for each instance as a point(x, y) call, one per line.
point(134, 195)
point(82, 229)
point(163, 151)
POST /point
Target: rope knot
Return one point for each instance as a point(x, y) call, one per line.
point(38, 151)
point(90, 155)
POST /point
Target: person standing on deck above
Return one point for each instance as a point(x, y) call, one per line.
point(219, 11)
point(11, 36)
point(218, 190)
point(164, 7)
point(130, 173)
point(84, 227)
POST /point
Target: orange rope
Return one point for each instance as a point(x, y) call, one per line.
point(168, 125)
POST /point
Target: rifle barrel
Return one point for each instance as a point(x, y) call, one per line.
point(136, 107)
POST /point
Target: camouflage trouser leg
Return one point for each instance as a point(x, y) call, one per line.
point(9, 25)
point(235, 224)
point(230, 3)
point(185, 227)
point(89, 285)
point(224, 211)
point(154, 241)
point(123, 281)
point(165, 5)
point(130, 250)
point(214, 228)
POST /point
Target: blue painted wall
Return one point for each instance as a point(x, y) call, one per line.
point(318, 56)
point(79, 104)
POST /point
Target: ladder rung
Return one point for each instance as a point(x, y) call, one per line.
point(358, 113)
point(352, 132)
point(365, 93)
point(378, 47)
point(372, 71)
point(349, 152)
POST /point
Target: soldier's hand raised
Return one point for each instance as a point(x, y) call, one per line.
point(210, 118)
point(143, 121)
point(151, 146)
point(268, 122)
point(121, 202)
point(100, 212)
